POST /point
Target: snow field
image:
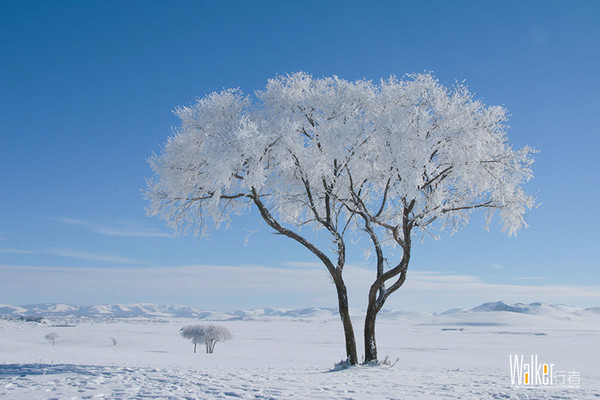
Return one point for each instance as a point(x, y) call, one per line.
point(293, 359)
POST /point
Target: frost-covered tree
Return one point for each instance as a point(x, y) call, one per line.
point(194, 333)
point(389, 160)
point(214, 334)
point(52, 336)
point(207, 334)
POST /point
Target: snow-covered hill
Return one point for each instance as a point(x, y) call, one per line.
point(144, 310)
point(153, 311)
point(537, 308)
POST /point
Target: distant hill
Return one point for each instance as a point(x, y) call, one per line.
point(144, 310)
point(537, 308)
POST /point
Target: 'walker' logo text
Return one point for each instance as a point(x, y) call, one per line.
point(532, 372)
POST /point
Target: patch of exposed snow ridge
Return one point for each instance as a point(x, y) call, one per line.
point(501, 306)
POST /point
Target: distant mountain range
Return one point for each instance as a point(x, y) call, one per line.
point(145, 310)
point(157, 311)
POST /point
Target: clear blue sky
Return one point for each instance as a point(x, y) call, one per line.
point(87, 91)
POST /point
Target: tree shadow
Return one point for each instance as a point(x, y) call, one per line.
point(22, 370)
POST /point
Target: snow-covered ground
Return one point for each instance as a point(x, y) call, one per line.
point(287, 354)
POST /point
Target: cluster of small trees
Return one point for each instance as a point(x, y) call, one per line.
point(390, 161)
point(207, 334)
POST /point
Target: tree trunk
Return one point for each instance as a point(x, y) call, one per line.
point(370, 344)
point(336, 274)
point(210, 346)
point(351, 355)
point(195, 348)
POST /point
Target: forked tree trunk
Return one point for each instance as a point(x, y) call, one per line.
point(376, 303)
point(378, 293)
point(210, 346)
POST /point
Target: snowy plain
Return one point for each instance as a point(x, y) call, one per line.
point(290, 354)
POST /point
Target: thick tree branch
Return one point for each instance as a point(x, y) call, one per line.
point(441, 176)
point(273, 223)
point(207, 197)
point(486, 204)
point(378, 250)
point(383, 201)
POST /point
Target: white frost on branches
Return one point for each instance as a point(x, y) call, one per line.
point(319, 150)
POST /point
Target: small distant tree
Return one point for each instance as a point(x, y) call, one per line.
point(214, 334)
point(114, 341)
point(193, 333)
point(52, 336)
point(207, 334)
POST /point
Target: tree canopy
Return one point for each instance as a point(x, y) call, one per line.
point(411, 141)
